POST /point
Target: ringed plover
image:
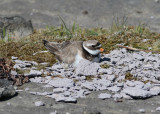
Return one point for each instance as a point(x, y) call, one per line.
point(72, 52)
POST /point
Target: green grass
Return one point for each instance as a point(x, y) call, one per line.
point(119, 33)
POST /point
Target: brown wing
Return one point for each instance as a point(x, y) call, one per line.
point(52, 48)
point(56, 48)
point(70, 51)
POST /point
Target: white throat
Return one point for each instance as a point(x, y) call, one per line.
point(95, 52)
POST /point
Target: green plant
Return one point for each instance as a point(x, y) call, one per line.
point(69, 33)
point(118, 24)
point(140, 29)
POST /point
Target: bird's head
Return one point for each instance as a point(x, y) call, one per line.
point(93, 47)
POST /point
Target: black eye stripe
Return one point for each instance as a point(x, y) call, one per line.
point(98, 44)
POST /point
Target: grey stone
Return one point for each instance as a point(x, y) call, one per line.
point(39, 103)
point(35, 73)
point(14, 58)
point(105, 71)
point(130, 83)
point(66, 99)
point(137, 93)
point(6, 89)
point(86, 67)
point(55, 112)
point(142, 110)
point(61, 82)
point(15, 27)
point(126, 96)
point(104, 96)
point(119, 96)
point(114, 88)
point(137, 56)
point(14, 73)
point(155, 90)
point(158, 108)
point(38, 80)
point(59, 90)
point(88, 85)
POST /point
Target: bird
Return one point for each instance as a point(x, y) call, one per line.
point(72, 52)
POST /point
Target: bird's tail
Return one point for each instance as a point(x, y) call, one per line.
point(52, 48)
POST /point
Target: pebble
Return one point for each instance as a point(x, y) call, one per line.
point(14, 58)
point(142, 110)
point(86, 67)
point(9, 104)
point(26, 89)
point(158, 108)
point(39, 103)
point(104, 96)
point(155, 90)
point(55, 112)
point(137, 93)
point(35, 73)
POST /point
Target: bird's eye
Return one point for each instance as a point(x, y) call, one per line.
point(98, 44)
point(93, 46)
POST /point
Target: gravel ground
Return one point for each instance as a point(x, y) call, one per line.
point(68, 90)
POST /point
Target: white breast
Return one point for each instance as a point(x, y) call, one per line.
point(78, 58)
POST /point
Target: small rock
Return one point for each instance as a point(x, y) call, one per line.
point(114, 88)
point(155, 90)
point(117, 96)
point(88, 85)
point(136, 92)
point(15, 27)
point(35, 73)
point(111, 77)
point(126, 96)
point(118, 99)
point(43, 93)
point(26, 89)
point(104, 96)
point(55, 112)
point(158, 108)
point(39, 103)
point(14, 73)
point(86, 67)
point(138, 56)
point(61, 82)
point(14, 58)
point(85, 12)
point(8, 103)
point(67, 93)
point(6, 89)
point(66, 99)
point(152, 111)
point(59, 90)
point(130, 83)
point(142, 110)
point(37, 80)
point(157, 1)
